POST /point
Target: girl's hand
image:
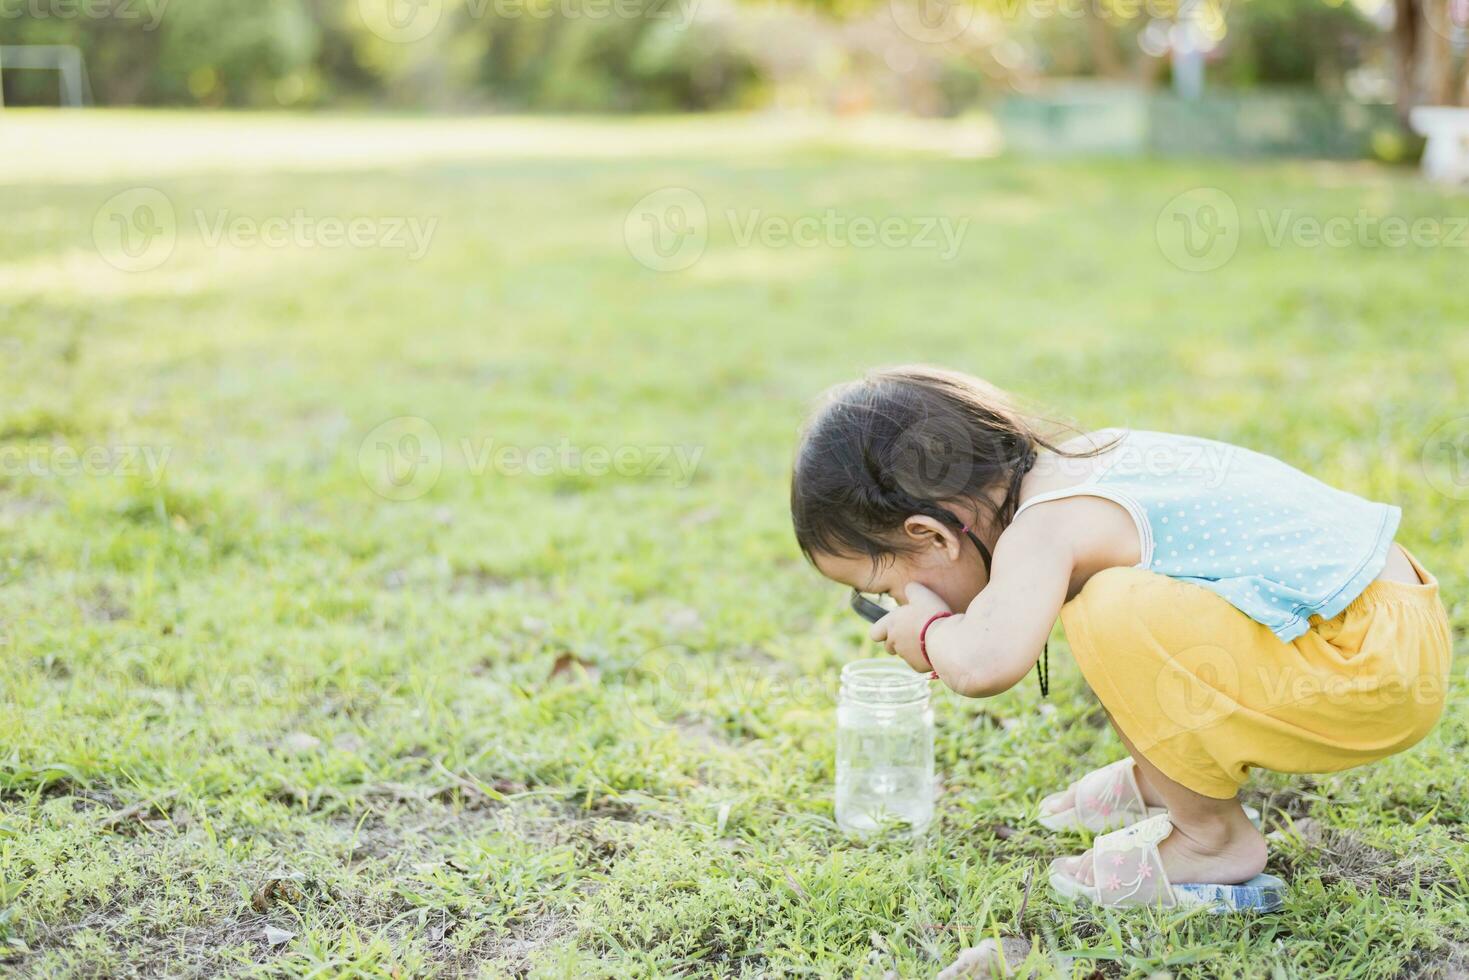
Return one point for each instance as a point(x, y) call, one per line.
point(899, 629)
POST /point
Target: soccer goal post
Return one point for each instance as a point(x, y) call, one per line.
point(65, 59)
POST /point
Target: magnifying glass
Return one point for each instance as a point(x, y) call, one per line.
point(871, 608)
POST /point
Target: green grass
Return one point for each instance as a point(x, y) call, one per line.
point(254, 680)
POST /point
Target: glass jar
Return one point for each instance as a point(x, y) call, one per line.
point(884, 748)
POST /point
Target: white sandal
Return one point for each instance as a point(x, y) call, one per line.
point(1109, 799)
point(1106, 799)
point(1128, 872)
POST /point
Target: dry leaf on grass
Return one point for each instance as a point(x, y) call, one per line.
point(569, 665)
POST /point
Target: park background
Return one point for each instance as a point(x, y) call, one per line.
point(396, 409)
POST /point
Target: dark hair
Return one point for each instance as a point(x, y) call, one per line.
point(905, 441)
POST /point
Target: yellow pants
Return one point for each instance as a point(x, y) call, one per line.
point(1205, 693)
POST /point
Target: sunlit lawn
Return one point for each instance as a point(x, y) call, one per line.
point(364, 612)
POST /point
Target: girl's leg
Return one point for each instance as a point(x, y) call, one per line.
point(1212, 841)
point(1187, 674)
point(1065, 799)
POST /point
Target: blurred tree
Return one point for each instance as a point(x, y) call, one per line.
point(1307, 43)
point(1428, 70)
point(216, 52)
point(632, 55)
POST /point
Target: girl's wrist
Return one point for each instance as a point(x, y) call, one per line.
point(923, 639)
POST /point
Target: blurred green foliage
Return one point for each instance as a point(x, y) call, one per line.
point(1295, 42)
point(556, 54)
point(654, 55)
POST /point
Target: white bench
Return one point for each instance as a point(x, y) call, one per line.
point(1446, 157)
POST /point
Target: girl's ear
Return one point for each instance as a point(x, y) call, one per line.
point(929, 536)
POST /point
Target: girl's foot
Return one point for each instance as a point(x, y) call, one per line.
point(1223, 848)
point(1066, 798)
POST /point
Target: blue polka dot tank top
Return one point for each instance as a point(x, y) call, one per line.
point(1279, 545)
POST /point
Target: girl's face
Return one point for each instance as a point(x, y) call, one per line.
point(940, 559)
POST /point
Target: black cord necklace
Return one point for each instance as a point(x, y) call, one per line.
point(1043, 665)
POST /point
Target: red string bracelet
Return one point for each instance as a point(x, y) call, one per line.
point(923, 638)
